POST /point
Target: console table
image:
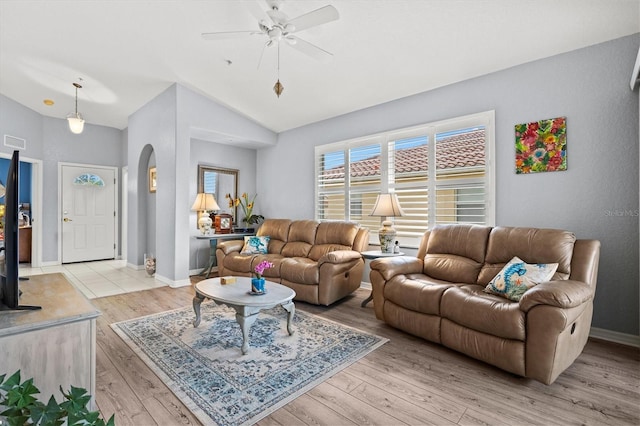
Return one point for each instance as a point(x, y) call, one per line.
point(55, 345)
point(213, 245)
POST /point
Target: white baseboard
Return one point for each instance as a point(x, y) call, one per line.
point(614, 336)
point(135, 267)
point(199, 271)
point(52, 263)
point(173, 283)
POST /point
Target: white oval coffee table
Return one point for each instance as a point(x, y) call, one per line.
point(247, 306)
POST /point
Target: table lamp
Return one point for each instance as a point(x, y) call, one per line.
point(386, 206)
point(205, 204)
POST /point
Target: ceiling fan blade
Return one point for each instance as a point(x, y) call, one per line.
point(310, 49)
point(262, 54)
point(224, 35)
point(314, 18)
point(255, 8)
point(277, 16)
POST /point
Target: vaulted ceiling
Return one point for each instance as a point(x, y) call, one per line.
point(127, 52)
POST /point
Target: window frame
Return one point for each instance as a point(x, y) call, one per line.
point(484, 119)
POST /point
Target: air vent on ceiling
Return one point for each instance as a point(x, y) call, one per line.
point(15, 142)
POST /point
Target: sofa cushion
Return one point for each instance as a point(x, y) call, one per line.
point(300, 270)
point(517, 277)
point(238, 262)
point(332, 236)
point(456, 252)
point(471, 307)
point(532, 245)
point(277, 230)
point(276, 259)
point(302, 234)
point(416, 292)
point(255, 245)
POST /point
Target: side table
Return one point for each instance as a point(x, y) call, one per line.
point(375, 254)
point(213, 245)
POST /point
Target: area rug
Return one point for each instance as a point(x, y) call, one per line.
point(205, 368)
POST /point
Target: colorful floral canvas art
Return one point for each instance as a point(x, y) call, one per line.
point(541, 146)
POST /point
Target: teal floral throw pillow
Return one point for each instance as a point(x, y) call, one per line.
point(517, 277)
point(255, 245)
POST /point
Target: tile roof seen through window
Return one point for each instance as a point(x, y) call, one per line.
point(456, 151)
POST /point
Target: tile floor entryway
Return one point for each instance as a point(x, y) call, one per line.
point(99, 279)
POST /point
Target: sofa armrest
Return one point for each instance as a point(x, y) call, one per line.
point(561, 294)
point(389, 267)
point(229, 246)
point(339, 256)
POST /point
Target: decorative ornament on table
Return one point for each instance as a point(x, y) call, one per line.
point(247, 209)
point(257, 283)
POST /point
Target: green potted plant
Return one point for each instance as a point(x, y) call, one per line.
point(247, 208)
point(20, 407)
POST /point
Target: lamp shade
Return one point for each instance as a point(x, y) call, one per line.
point(205, 203)
point(387, 205)
point(76, 123)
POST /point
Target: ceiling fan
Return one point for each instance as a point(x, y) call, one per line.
point(276, 26)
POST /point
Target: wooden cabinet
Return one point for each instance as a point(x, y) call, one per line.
point(55, 345)
point(24, 244)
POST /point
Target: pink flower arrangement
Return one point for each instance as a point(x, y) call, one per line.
point(260, 268)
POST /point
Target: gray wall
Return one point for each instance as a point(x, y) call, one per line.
point(152, 132)
point(166, 124)
point(49, 140)
point(597, 197)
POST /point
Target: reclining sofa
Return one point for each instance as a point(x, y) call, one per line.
point(320, 261)
point(440, 296)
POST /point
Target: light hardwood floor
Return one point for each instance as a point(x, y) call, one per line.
point(406, 381)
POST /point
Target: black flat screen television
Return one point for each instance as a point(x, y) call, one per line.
point(9, 287)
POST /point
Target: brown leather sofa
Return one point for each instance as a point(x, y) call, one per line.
point(320, 261)
point(439, 296)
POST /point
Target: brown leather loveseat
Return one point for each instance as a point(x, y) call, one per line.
point(440, 296)
point(320, 261)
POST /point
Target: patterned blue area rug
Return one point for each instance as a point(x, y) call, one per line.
point(206, 370)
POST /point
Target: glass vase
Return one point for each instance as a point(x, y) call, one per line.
point(149, 264)
point(257, 285)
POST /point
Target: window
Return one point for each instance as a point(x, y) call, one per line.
point(440, 171)
point(88, 179)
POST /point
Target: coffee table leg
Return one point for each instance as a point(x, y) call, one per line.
point(245, 323)
point(197, 300)
point(291, 308)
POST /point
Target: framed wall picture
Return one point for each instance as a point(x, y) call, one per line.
point(541, 146)
point(153, 185)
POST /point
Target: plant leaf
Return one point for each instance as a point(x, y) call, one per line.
point(11, 382)
point(49, 414)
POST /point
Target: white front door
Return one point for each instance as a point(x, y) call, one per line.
point(88, 213)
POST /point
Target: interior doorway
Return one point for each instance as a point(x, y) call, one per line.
point(30, 200)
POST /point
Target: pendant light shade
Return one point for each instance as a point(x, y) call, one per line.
point(76, 122)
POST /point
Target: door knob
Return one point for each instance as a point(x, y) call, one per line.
point(66, 219)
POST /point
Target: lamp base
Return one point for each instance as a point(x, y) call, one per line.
point(205, 223)
point(387, 236)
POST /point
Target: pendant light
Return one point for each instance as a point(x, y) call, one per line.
point(278, 87)
point(76, 122)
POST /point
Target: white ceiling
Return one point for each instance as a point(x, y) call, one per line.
point(128, 52)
